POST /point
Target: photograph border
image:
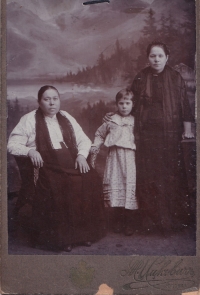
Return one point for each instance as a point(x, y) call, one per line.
point(52, 274)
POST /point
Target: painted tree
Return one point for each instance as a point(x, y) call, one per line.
point(189, 35)
point(101, 63)
point(150, 33)
point(163, 30)
point(150, 29)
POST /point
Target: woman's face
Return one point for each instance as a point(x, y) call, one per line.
point(157, 59)
point(50, 102)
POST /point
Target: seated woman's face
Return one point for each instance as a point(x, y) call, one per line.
point(157, 59)
point(50, 102)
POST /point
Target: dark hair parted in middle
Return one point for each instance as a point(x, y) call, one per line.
point(43, 89)
point(124, 93)
point(159, 44)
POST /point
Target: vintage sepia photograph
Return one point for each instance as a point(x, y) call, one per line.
point(101, 127)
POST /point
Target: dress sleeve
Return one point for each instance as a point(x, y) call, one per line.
point(83, 142)
point(186, 109)
point(18, 139)
point(136, 89)
point(99, 139)
point(100, 135)
point(135, 85)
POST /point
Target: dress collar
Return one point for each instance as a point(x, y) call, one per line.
point(157, 74)
point(119, 120)
point(54, 118)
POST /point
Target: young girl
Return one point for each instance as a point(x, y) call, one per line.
point(119, 181)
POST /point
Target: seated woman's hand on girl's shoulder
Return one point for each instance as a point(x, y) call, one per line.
point(82, 164)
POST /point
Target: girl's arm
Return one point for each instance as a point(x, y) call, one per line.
point(100, 135)
point(99, 139)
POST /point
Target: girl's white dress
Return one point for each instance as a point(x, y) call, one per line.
point(119, 181)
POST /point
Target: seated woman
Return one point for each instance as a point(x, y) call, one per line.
point(68, 206)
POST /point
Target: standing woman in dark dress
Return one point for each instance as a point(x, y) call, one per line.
point(163, 117)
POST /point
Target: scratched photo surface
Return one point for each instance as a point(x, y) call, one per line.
point(89, 53)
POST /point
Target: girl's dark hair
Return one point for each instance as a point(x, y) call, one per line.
point(43, 89)
point(124, 93)
point(159, 44)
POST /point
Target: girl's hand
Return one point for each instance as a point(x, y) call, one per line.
point(107, 117)
point(82, 164)
point(94, 150)
point(36, 158)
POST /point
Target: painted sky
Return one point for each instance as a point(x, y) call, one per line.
point(49, 37)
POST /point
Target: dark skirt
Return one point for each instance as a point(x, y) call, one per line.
point(161, 179)
point(68, 206)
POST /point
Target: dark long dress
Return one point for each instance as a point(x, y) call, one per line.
point(68, 206)
point(161, 107)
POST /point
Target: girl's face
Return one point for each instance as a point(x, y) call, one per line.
point(157, 59)
point(124, 106)
point(50, 102)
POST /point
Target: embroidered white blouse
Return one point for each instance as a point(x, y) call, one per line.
point(22, 138)
point(117, 132)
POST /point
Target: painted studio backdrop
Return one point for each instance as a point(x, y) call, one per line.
point(89, 53)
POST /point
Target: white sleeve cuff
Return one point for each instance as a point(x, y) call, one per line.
point(84, 153)
point(31, 148)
